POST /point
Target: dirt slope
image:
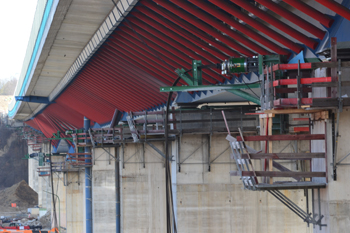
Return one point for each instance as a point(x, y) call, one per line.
point(21, 194)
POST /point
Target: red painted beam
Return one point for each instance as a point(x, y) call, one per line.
point(301, 129)
point(312, 12)
point(184, 41)
point(123, 81)
point(291, 102)
point(176, 48)
point(141, 82)
point(282, 137)
point(230, 8)
point(219, 26)
point(276, 23)
point(189, 28)
point(150, 64)
point(301, 119)
point(302, 81)
point(180, 31)
point(281, 174)
point(205, 27)
point(292, 90)
point(170, 40)
point(336, 7)
point(211, 9)
point(293, 18)
point(110, 91)
point(142, 66)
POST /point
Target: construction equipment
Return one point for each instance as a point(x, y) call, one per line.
point(2, 230)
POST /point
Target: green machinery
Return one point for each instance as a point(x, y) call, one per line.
point(239, 65)
point(229, 67)
point(195, 82)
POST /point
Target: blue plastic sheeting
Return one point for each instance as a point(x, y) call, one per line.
point(35, 51)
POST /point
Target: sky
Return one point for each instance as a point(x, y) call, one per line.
point(16, 18)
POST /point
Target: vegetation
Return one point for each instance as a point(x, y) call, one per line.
point(8, 86)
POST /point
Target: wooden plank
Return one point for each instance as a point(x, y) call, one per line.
point(285, 156)
point(280, 174)
point(283, 137)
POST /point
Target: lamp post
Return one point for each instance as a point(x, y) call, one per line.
point(59, 210)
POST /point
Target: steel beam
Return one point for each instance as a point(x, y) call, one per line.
point(210, 87)
point(283, 137)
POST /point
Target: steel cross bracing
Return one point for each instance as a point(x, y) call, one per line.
point(250, 183)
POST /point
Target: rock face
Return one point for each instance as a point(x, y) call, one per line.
point(21, 194)
point(13, 168)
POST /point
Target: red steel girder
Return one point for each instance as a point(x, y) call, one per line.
point(142, 66)
point(288, 102)
point(134, 59)
point(122, 81)
point(108, 92)
point(282, 82)
point(143, 73)
point(173, 29)
point(240, 27)
point(160, 50)
point(312, 12)
point(142, 82)
point(167, 71)
point(189, 27)
point(131, 98)
point(282, 137)
point(219, 26)
point(83, 107)
point(172, 45)
point(169, 58)
point(173, 41)
point(157, 44)
point(83, 91)
point(336, 7)
point(147, 55)
point(276, 23)
point(293, 18)
point(205, 27)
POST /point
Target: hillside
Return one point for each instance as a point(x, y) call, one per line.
point(13, 168)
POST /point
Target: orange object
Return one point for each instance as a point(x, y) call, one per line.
point(13, 205)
